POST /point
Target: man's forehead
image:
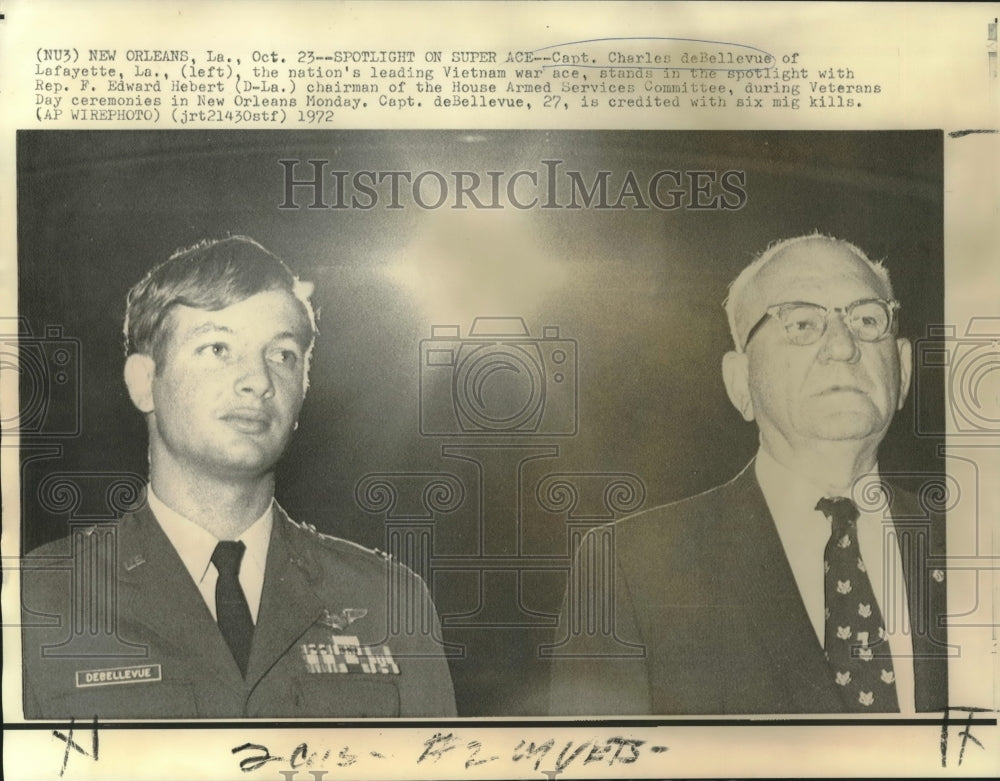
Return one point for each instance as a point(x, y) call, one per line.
point(267, 315)
point(821, 268)
point(816, 270)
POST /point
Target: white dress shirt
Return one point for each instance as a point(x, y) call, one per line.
point(195, 546)
point(804, 532)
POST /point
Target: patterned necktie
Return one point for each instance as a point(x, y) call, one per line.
point(856, 644)
point(231, 609)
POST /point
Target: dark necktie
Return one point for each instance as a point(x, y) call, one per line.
point(856, 644)
point(231, 607)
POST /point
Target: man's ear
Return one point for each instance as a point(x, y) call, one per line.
point(905, 369)
point(735, 374)
point(139, 372)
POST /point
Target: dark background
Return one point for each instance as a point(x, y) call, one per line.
point(639, 292)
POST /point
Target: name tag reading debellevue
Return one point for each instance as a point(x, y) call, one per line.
point(145, 673)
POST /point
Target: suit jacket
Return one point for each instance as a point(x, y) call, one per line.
point(708, 618)
point(114, 627)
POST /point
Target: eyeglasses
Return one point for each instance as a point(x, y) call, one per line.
point(868, 320)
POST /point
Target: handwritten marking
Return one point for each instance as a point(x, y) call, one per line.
point(583, 63)
point(965, 734)
point(475, 746)
point(541, 750)
point(346, 758)
point(561, 763)
point(255, 762)
point(626, 743)
point(613, 750)
point(437, 745)
point(70, 743)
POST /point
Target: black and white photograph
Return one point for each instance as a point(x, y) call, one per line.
point(490, 390)
point(472, 412)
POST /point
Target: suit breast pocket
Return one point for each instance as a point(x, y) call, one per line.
point(347, 696)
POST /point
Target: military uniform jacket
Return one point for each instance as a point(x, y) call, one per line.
point(708, 618)
point(114, 627)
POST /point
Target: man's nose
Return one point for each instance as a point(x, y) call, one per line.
point(255, 377)
point(839, 344)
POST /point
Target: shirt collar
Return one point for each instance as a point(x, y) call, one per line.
point(791, 496)
point(195, 544)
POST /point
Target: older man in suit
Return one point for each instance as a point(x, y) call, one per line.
point(806, 583)
point(208, 601)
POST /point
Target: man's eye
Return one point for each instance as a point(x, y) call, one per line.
point(287, 358)
point(803, 324)
point(218, 349)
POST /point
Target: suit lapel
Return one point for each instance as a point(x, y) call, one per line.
point(786, 641)
point(289, 603)
point(157, 592)
point(793, 646)
point(921, 536)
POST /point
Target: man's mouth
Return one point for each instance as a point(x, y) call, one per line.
point(248, 421)
point(834, 389)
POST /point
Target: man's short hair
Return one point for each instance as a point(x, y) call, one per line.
point(211, 275)
point(739, 285)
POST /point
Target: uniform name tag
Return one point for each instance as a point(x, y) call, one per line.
point(144, 673)
point(344, 654)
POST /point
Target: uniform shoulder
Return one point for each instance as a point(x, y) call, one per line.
point(310, 535)
point(59, 548)
point(96, 534)
point(330, 553)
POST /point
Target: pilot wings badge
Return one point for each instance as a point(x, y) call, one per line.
point(344, 618)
